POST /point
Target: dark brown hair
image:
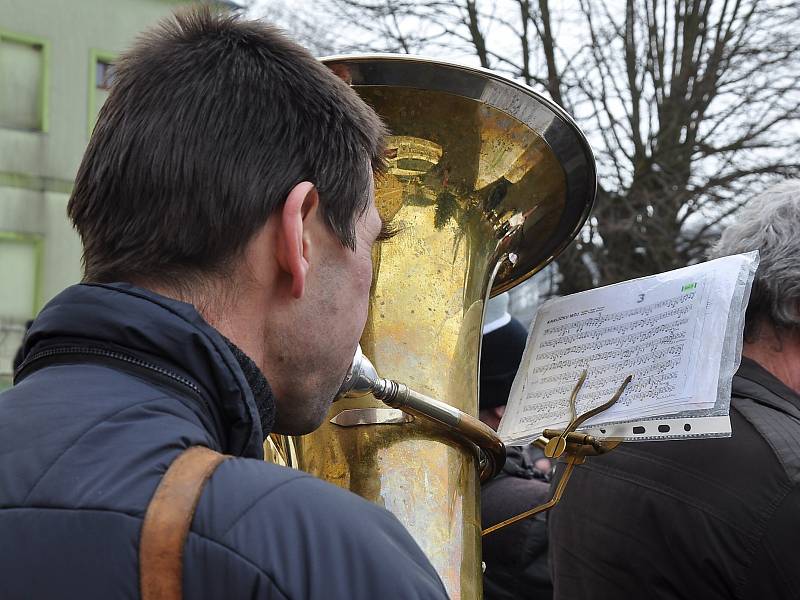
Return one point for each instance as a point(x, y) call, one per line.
point(210, 122)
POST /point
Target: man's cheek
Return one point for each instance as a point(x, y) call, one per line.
point(365, 276)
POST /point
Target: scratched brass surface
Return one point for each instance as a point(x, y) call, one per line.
point(468, 184)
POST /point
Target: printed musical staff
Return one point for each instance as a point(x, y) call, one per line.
point(666, 330)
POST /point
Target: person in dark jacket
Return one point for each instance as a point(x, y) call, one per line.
point(715, 518)
point(225, 205)
point(515, 556)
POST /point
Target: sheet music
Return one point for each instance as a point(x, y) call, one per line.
point(668, 331)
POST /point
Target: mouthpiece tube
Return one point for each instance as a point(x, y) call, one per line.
point(491, 450)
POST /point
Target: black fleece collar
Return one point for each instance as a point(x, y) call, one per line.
point(262, 392)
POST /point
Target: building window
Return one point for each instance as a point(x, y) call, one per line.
point(101, 69)
point(103, 75)
point(20, 292)
point(23, 82)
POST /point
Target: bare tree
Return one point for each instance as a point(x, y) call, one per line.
point(304, 21)
point(691, 105)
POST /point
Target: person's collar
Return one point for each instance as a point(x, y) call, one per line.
point(262, 392)
point(167, 332)
point(752, 373)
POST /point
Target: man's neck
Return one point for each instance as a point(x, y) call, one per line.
point(242, 329)
point(235, 316)
point(233, 310)
point(779, 356)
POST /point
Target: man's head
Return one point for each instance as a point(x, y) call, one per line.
point(230, 168)
point(501, 354)
point(769, 223)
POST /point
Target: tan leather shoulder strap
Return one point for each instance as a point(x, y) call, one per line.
point(167, 521)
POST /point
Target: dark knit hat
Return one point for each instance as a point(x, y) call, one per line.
point(501, 354)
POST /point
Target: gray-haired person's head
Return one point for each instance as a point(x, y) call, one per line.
point(769, 223)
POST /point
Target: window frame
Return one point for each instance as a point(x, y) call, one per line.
point(95, 56)
point(44, 92)
point(37, 241)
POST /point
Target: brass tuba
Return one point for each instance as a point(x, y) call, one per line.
point(488, 182)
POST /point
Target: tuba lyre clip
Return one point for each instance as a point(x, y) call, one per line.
point(577, 446)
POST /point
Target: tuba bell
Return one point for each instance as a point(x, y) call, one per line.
point(488, 182)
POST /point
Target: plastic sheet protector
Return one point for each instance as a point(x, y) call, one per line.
point(679, 334)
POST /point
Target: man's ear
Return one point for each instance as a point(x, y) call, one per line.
point(293, 243)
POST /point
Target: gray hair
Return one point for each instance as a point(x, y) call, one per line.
point(769, 223)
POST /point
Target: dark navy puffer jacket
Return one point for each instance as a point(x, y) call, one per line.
point(117, 381)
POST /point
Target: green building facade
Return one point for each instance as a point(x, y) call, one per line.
point(55, 68)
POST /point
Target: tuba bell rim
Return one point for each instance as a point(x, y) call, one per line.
point(551, 122)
